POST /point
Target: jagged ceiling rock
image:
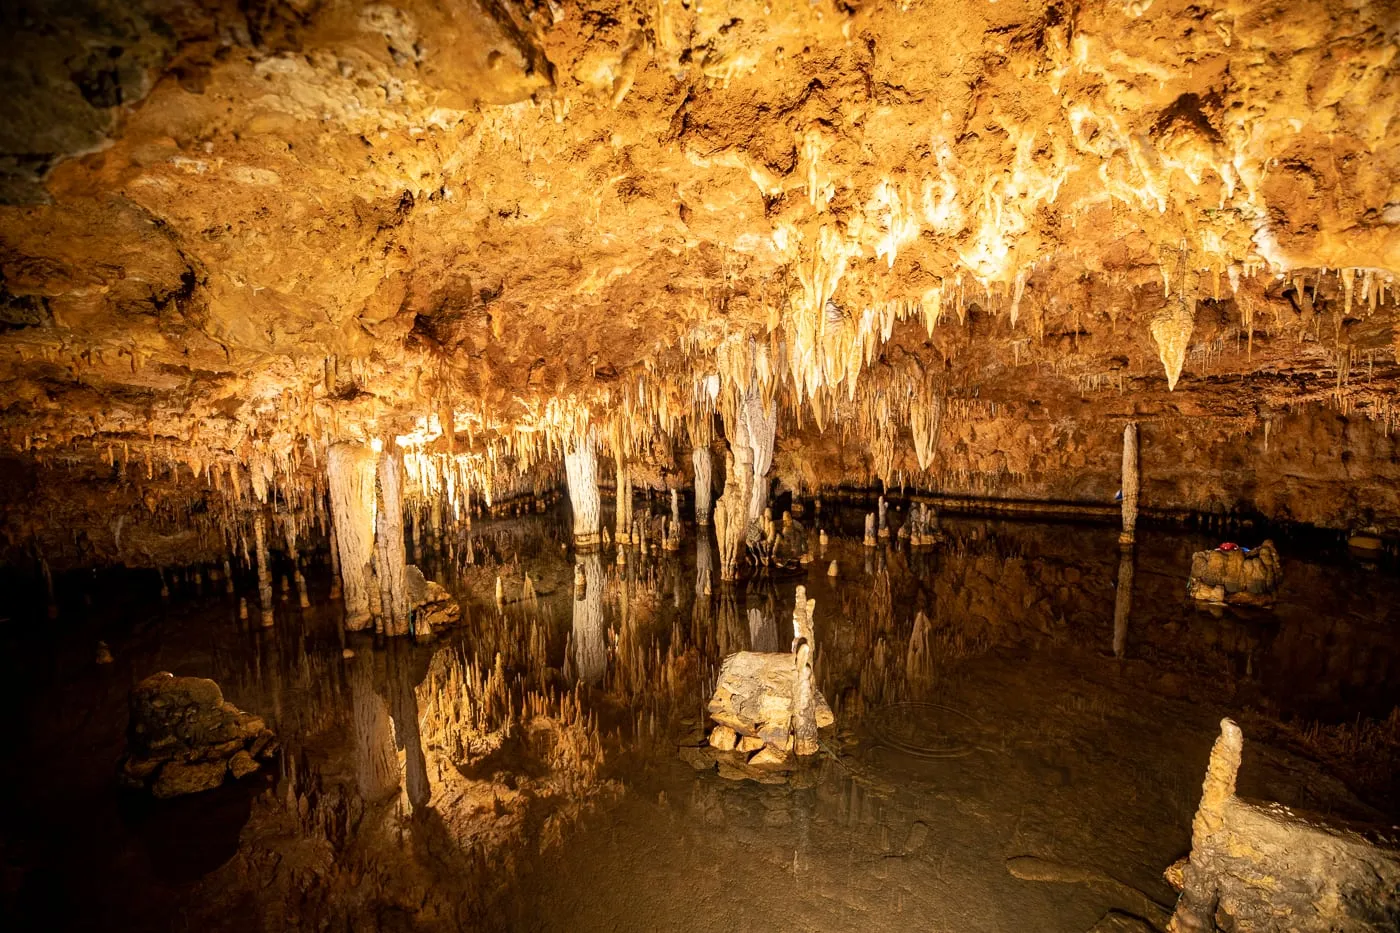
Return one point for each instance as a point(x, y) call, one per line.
point(234, 227)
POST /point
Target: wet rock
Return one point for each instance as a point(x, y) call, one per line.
point(183, 737)
point(753, 696)
point(1234, 577)
point(432, 605)
point(723, 738)
point(1261, 868)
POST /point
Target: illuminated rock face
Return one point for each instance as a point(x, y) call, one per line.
point(244, 233)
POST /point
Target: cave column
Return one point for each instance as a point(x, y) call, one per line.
point(264, 567)
point(581, 471)
point(350, 471)
point(389, 556)
point(731, 511)
point(624, 502)
point(1130, 483)
point(762, 423)
point(704, 490)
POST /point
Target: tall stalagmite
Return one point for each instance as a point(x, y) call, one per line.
point(624, 502)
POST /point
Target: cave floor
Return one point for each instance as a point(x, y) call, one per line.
point(1036, 732)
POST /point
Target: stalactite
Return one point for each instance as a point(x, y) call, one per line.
point(350, 471)
point(390, 559)
point(581, 467)
point(704, 480)
point(1130, 482)
point(264, 568)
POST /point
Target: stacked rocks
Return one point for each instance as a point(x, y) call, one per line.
point(184, 737)
point(1231, 576)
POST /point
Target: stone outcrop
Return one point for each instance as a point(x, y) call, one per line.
point(1232, 576)
point(184, 737)
point(753, 706)
point(432, 606)
point(1261, 868)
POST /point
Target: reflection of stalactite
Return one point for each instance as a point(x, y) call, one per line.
point(403, 707)
point(264, 570)
point(589, 645)
point(1123, 603)
point(763, 631)
point(376, 764)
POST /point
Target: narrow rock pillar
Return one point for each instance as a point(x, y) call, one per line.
point(624, 502)
point(350, 472)
point(389, 557)
point(1130, 483)
point(581, 471)
point(704, 489)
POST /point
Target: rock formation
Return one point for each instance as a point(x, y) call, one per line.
point(183, 737)
point(1236, 576)
point(1260, 868)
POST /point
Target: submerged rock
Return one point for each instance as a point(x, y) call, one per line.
point(183, 737)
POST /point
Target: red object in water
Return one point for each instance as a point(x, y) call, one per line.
point(1228, 546)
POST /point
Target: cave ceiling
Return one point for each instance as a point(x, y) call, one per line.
point(243, 230)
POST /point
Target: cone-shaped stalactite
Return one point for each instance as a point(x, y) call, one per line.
point(350, 473)
point(1130, 482)
point(389, 556)
point(581, 471)
point(264, 567)
point(704, 479)
point(588, 639)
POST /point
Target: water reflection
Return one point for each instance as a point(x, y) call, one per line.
point(589, 638)
point(1123, 600)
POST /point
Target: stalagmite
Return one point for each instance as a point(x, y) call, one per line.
point(289, 535)
point(228, 577)
point(1130, 483)
point(624, 503)
point(870, 540)
point(390, 559)
point(581, 468)
point(704, 480)
point(264, 568)
point(350, 472)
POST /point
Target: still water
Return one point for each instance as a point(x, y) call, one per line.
point(521, 771)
